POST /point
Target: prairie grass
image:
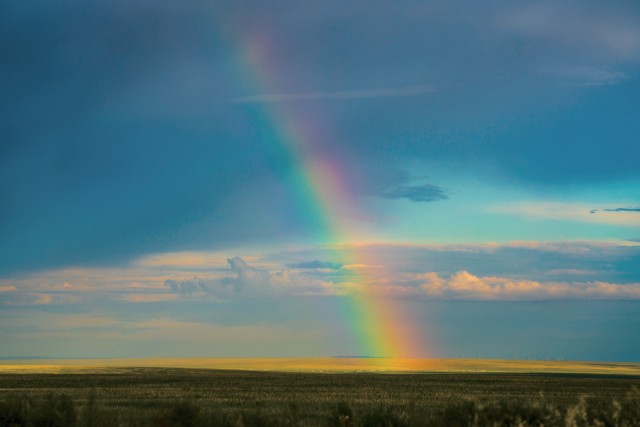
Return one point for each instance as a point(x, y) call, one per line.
point(190, 397)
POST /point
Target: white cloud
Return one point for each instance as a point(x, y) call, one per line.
point(347, 94)
point(464, 285)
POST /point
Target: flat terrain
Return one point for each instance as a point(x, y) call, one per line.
point(336, 364)
point(123, 393)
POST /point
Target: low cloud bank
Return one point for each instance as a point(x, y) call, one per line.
point(252, 281)
point(492, 271)
point(464, 285)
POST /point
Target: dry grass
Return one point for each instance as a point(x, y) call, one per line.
point(171, 397)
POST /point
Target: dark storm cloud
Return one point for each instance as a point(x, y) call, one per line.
point(118, 137)
point(417, 193)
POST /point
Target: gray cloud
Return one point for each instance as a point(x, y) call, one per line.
point(417, 193)
point(247, 280)
point(189, 287)
point(250, 281)
point(593, 211)
point(247, 277)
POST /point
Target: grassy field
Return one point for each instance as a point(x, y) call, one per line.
point(146, 396)
point(330, 364)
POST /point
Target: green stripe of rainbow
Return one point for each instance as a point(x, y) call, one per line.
point(377, 326)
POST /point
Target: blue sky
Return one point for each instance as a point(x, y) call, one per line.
point(489, 154)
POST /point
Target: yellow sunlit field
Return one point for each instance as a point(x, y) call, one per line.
point(317, 392)
point(329, 365)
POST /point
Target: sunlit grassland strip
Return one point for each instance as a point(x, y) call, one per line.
point(329, 365)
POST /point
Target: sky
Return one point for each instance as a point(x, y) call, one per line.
point(294, 179)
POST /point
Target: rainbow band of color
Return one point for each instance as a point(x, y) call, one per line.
point(377, 326)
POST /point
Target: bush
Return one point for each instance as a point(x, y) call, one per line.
point(342, 416)
point(55, 411)
point(14, 413)
point(181, 414)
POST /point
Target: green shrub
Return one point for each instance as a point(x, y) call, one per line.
point(54, 411)
point(342, 416)
point(14, 413)
point(383, 417)
point(181, 414)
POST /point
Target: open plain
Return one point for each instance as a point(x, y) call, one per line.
point(111, 393)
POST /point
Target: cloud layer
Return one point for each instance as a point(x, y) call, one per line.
point(463, 285)
point(518, 271)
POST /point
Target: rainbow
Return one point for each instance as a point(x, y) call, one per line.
point(379, 327)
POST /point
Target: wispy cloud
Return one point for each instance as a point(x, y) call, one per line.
point(593, 211)
point(586, 76)
point(184, 260)
point(612, 33)
point(571, 211)
point(149, 297)
point(417, 90)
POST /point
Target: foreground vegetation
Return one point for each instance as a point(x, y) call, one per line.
point(175, 397)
